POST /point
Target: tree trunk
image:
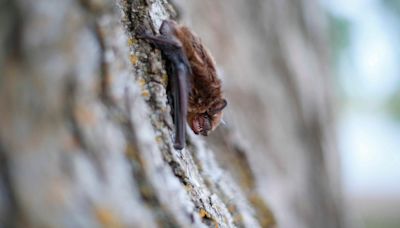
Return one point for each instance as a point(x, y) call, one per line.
point(86, 130)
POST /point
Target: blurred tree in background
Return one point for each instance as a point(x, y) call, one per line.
point(393, 104)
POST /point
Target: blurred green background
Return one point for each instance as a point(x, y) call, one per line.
point(366, 58)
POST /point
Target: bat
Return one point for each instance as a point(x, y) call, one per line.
point(194, 84)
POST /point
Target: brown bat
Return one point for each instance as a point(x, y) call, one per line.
point(194, 84)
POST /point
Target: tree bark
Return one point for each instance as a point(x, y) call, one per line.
point(86, 130)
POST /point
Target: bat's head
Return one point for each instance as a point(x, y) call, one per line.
point(203, 123)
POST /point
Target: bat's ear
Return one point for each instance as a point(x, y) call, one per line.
point(217, 107)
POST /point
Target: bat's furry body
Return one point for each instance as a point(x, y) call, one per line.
point(195, 86)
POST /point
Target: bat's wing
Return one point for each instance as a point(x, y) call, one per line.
point(180, 93)
point(179, 73)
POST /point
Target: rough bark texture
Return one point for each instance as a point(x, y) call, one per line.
point(85, 138)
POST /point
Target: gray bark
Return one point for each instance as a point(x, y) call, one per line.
point(85, 138)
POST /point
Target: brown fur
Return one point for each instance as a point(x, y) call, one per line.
point(206, 87)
